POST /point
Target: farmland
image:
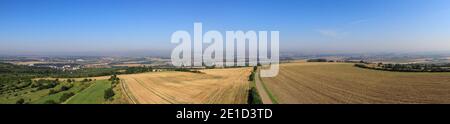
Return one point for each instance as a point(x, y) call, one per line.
point(91, 95)
point(75, 92)
point(343, 83)
point(210, 86)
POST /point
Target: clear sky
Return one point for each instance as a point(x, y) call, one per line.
point(64, 26)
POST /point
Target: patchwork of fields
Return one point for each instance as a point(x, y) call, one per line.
point(211, 86)
point(344, 83)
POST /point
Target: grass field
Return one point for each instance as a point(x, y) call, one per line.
point(94, 94)
point(344, 83)
point(212, 86)
point(78, 87)
point(32, 96)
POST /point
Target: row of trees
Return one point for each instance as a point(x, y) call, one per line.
point(109, 93)
point(61, 89)
point(16, 71)
point(407, 67)
point(253, 95)
point(317, 60)
point(252, 75)
point(44, 84)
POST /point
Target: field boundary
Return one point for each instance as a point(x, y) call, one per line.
point(272, 97)
point(264, 91)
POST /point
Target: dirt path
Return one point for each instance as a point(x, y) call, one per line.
point(261, 90)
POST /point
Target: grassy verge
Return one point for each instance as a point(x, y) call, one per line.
point(272, 97)
point(253, 95)
point(120, 96)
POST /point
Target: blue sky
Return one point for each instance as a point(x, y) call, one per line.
point(316, 26)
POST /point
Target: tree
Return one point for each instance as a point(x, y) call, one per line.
point(251, 77)
point(85, 80)
point(109, 93)
point(113, 77)
point(253, 97)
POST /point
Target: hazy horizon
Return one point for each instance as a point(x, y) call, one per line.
point(122, 27)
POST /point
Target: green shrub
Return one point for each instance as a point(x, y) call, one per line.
point(66, 96)
point(253, 97)
point(20, 101)
point(109, 93)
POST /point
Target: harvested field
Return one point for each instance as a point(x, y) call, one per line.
point(212, 86)
point(344, 83)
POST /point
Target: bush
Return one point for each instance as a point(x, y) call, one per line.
point(66, 96)
point(251, 77)
point(50, 102)
point(20, 101)
point(64, 88)
point(44, 84)
point(109, 93)
point(52, 91)
point(253, 97)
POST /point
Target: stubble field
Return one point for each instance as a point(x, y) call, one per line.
point(344, 83)
point(212, 86)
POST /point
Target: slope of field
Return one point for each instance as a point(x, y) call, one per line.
point(77, 87)
point(94, 94)
point(210, 87)
point(33, 96)
point(344, 83)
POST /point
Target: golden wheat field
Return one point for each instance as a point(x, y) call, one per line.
point(344, 83)
point(212, 86)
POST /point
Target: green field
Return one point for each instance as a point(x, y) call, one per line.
point(26, 94)
point(78, 87)
point(91, 95)
point(85, 93)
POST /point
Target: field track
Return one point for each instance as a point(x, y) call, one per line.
point(263, 93)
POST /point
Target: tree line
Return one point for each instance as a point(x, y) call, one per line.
point(414, 67)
